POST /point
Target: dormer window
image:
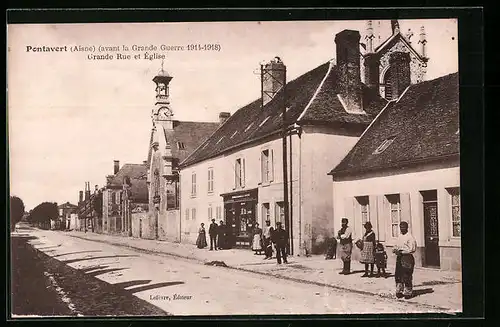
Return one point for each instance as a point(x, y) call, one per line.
point(248, 127)
point(181, 146)
point(264, 121)
point(384, 145)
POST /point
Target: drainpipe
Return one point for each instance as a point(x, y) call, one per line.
point(291, 196)
point(300, 190)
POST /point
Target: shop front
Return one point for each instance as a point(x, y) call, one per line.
point(241, 215)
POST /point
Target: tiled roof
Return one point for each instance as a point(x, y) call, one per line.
point(139, 190)
point(252, 122)
point(189, 135)
point(138, 171)
point(423, 125)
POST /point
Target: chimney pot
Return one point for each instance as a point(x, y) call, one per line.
point(223, 116)
point(273, 78)
point(116, 166)
point(348, 69)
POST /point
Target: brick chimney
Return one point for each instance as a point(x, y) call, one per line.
point(80, 197)
point(400, 73)
point(116, 166)
point(223, 116)
point(273, 76)
point(348, 65)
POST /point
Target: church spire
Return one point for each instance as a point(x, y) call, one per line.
point(395, 26)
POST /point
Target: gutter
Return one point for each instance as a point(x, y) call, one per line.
point(401, 164)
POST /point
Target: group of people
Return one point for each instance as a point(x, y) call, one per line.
point(218, 236)
point(373, 253)
point(264, 240)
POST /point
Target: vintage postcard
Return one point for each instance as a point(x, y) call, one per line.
point(234, 168)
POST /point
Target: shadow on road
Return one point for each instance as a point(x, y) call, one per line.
point(101, 257)
point(133, 283)
point(103, 271)
point(77, 252)
point(422, 291)
point(153, 286)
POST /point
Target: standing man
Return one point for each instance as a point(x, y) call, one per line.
point(405, 246)
point(345, 240)
point(267, 233)
point(221, 241)
point(212, 231)
point(280, 238)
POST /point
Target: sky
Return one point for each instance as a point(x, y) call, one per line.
point(69, 117)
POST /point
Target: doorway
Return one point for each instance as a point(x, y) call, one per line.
point(431, 229)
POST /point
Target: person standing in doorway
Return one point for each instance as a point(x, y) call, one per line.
point(367, 253)
point(405, 246)
point(267, 233)
point(212, 231)
point(221, 236)
point(280, 239)
point(345, 240)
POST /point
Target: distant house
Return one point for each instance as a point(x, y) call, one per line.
point(67, 211)
point(406, 167)
point(125, 192)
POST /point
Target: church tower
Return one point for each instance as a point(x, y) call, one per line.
point(162, 112)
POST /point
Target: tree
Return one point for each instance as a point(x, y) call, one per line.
point(16, 211)
point(43, 213)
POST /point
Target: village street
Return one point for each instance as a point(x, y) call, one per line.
point(182, 287)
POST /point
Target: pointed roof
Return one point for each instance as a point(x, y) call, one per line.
point(419, 127)
point(395, 38)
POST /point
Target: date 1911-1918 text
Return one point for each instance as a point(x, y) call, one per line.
point(204, 47)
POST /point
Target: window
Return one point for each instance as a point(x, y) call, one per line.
point(266, 212)
point(193, 184)
point(210, 180)
point(193, 213)
point(210, 213)
point(187, 214)
point(364, 208)
point(279, 213)
point(395, 213)
point(180, 145)
point(384, 145)
point(455, 211)
point(267, 166)
point(239, 173)
point(388, 86)
point(218, 213)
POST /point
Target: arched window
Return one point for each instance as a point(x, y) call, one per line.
point(387, 83)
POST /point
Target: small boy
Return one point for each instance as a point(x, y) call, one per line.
point(380, 259)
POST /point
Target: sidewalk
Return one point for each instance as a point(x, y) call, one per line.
point(433, 288)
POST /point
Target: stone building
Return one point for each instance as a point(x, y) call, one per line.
point(66, 213)
point(125, 193)
point(406, 167)
point(171, 141)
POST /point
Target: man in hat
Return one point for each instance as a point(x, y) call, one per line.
point(405, 246)
point(212, 231)
point(345, 240)
point(280, 238)
point(267, 233)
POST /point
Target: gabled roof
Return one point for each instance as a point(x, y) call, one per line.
point(311, 99)
point(185, 137)
point(67, 205)
point(422, 124)
point(395, 38)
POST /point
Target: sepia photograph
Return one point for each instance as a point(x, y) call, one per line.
point(297, 167)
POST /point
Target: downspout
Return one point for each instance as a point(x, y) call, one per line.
point(291, 197)
point(300, 191)
point(180, 207)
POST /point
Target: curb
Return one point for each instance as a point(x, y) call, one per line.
point(293, 279)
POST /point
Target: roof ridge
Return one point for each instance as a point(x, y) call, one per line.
point(331, 65)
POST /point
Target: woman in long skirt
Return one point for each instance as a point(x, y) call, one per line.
point(201, 241)
point(257, 239)
point(368, 250)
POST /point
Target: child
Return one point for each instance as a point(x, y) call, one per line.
point(380, 259)
point(331, 248)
